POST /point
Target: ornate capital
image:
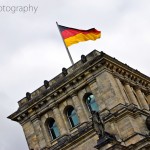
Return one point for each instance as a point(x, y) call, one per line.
point(136, 87)
point(55, 106)
point(125, 83)
point(35, 117)
point(73, 94)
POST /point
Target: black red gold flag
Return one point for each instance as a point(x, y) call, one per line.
point(73, 36)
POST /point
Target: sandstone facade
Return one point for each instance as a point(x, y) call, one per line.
point(121, 93)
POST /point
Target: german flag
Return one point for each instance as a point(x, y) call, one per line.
point(73, 36)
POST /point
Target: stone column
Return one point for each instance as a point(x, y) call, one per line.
point(59, 120)
point(79, 109)
point(122, 90)
point(130, 94)
point(30, 135)
point(148, 98)
point(141, 99)
point(38, 132)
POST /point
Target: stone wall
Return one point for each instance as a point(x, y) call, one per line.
point(122, 95)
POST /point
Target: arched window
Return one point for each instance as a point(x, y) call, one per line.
point(91, 103)
point(72, 116)
point(53, 129)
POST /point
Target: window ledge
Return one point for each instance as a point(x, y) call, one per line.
point(55, 141)
point(76, 128)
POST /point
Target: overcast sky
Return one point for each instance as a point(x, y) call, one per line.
point(31, 49)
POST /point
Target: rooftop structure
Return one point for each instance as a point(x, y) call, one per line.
point(57, 116)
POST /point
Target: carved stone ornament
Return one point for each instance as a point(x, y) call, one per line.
point(46, 84)
point(83, 58)
point(64, 71)
point(28, 95)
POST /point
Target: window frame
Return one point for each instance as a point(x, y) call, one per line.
point(88, 105)
point(51, 129)
point(70, 117)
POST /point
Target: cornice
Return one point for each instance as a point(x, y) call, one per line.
point(142, 144)
point(79, 75)
point(121, 110)
point(127, 72)
point(128, 75)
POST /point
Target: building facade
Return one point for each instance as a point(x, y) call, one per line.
point(57, 116)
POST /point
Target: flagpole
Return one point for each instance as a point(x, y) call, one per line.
point(65, 46)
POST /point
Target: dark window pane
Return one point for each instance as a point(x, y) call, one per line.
point(94, 106)
point(51, 123)
point(54, 131)
point(53, 134)
point(70, 111)
point(73, 112)
point(91, 103)
point(72, 116)
point(75, 120)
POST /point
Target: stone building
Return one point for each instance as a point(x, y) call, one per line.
point(57, 116)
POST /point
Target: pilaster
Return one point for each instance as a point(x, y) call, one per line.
point(141, 98)
point(59, 120)
point(79, 108)
point(148, 98)
point(108, 90)
point(125, 99)
point(30, 135)
point(130, 94)
point(38, 131)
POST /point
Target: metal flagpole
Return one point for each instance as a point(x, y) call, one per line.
point(66, 46)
